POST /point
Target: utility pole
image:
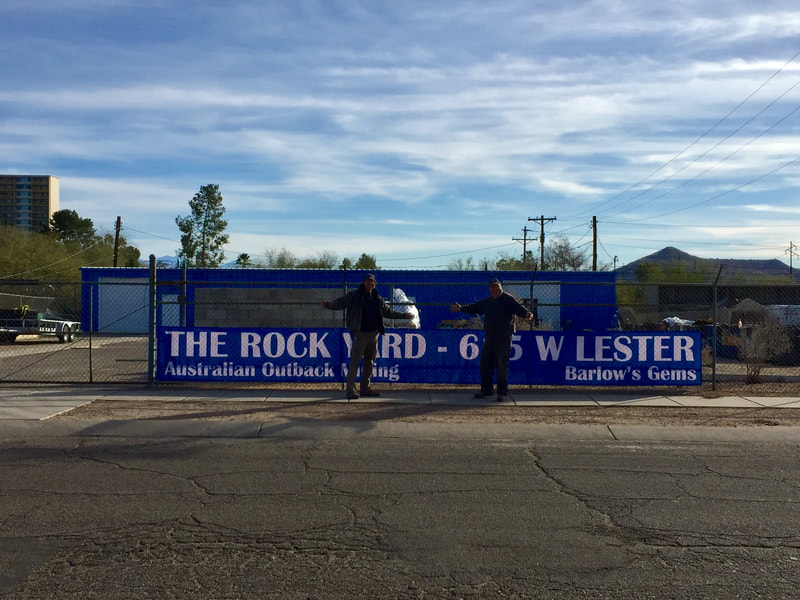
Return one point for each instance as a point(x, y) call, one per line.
point(594, 243)
point(116, 240)
point(791, 251)
point(542, 220)
point(524, 241)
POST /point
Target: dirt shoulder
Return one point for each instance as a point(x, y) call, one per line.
point(114, 409)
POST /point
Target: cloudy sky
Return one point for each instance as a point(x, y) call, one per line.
point(418, 131)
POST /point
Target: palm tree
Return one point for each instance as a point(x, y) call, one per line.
point(243, 260)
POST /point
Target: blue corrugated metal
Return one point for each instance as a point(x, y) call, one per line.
point(587, 299)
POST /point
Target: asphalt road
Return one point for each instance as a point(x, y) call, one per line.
point(431, 513)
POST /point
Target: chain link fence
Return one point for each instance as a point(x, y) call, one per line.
point(44, 336)
point(98, 332)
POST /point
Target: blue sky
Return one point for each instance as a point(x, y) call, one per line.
point(420, 132)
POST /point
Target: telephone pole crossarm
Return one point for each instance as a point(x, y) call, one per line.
point(541, 220)
point(524, 241)
point(791, 251)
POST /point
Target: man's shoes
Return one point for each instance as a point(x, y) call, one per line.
point(502, 398)
point(482, 395)
point(352, 396)
point(370, 393)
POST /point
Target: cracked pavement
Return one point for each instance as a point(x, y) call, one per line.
point(396, 517)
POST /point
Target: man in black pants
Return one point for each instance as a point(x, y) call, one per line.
point(365, 313)
point(498, 311)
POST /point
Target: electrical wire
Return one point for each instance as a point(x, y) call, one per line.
point(52, 264)
point(725, 193)
point(594, 209)
point(714, 166)
point(451, 254)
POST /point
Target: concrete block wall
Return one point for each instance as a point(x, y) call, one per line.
point(265, 307)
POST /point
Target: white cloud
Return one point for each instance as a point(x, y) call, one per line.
point(427, 117)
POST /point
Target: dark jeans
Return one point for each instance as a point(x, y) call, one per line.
point(365, 344)
point(494, 357)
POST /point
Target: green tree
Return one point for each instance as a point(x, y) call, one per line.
point(243, 260)
point(127, 256)
point(509, 262)
point(649, 273)
point(674, 272)
point(366, 262)
point(43, 257)
point(203, 231)
point(26, 255)
point(69, 227)
point(346, 264)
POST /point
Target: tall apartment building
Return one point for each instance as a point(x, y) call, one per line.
point(28, 201)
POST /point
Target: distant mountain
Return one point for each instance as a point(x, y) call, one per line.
point(161, 261)
point(732, 268)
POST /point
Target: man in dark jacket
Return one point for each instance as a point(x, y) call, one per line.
point(365, 313)
point(498, 311)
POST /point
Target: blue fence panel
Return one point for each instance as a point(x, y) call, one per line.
point(439, 356)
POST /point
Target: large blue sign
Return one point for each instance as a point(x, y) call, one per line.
point(430, 356)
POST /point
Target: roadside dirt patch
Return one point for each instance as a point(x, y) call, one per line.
point(108, 409)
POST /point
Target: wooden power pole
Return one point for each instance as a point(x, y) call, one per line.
point(524, 241)
point(541, 220)
point(792, 254)
point(116, 240)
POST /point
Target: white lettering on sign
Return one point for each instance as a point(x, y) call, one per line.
point(624, 358)
point(409, 345)
point(197, 343)
point(598, 374)
point(275, 344)
point(643, 348)
point(297, 370)
point(222, 370)
point(394, 345)
point(549, 350)
point(671, 375)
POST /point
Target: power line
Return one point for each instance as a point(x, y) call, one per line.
point(687, 148)
point(716, 197)
point(446, 255)
point(715, 165)
point(129, 228)
point(53, 263)
point(714, 147)
point(716, 226)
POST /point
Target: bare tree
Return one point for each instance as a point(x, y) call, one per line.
point(761, 342)
point(280, 259)
point(322, 260)
point(462, 264)
point(560, 255)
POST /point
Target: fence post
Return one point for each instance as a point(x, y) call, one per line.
point(714, 332)
point(344, 291)
point(91, 328)
point(182, 297)
point(535, 321)
point(151, 322)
